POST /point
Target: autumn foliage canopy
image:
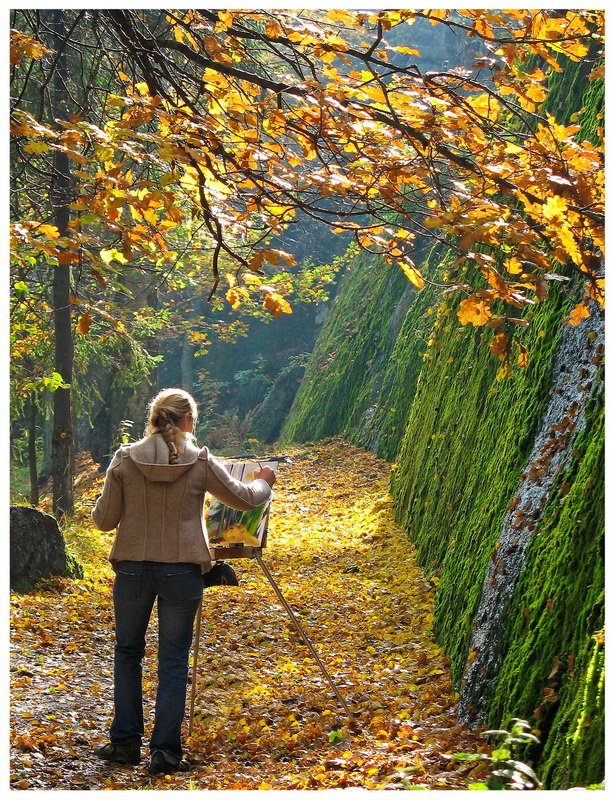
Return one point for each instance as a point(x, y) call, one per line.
point(218, 129)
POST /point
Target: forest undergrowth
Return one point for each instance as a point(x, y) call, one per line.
point(265, 717)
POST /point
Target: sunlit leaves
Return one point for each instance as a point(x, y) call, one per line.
point(282, 114)
point(413, 274)
point(23, 46)
point(474, 310)
point(274, 302)
point(112, 255)
point(486, 106)
point(84, 323)
point(579, 312)
point(264, 716)
point(500, 344)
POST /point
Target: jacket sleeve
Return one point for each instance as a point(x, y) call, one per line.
point(108, 509)
point(232, 492)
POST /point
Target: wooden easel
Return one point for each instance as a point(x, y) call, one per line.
point(223, 554)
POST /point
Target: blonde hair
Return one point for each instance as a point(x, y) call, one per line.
point(165, 413)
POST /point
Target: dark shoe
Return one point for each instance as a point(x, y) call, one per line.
point(160, 764)
point(127, 752)
point(221, 574)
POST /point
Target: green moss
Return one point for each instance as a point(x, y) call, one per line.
point(564, 89)
point(554, 664)
point(398, 372)
point(467, 438)
point(342, 375)
point(593, 112)
point(401, 371)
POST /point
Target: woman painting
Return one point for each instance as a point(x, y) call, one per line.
point(153, 494)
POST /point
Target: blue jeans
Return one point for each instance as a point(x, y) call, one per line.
point(178, 588)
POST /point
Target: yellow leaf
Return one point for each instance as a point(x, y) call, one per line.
point(523, 355)
point(409, 51)
point(50, 231)
point(504, 371)
point(36, 147)
point(486, 106)
point(536, 92)
point(225, 17)
point(513, 266)
point(115, 100)
point(413, 274)
point(434, 15)
point(23, 45)
point(555, 209)
point(237, 295)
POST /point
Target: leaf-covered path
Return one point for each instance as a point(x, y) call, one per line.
point(265, 716)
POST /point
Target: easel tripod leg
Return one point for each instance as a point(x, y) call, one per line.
point(302, 632)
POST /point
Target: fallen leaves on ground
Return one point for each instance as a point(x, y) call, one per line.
point(265, 715)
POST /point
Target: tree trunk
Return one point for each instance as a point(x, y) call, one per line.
point(62, 455)
point(32, 451)
point(47, 425)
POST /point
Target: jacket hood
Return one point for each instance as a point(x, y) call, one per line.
point(151, 457)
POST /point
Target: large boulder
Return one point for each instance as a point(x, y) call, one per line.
point(38, 550)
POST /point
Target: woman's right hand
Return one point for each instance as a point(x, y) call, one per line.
point(266, 474)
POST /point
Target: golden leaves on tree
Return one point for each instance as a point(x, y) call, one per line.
point(257, 148)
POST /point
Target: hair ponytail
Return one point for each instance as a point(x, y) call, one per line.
point(166, 411)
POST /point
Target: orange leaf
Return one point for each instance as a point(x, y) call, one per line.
point(496, 281)
point(579, 312)
point(523, 355)
point(474, 311)
point(275, 302)
point(499, 344)
point(596, 291)
point(84, 323)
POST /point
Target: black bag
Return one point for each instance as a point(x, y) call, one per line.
point(222, 574)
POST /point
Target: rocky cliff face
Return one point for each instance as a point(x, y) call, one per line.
point(500, 486)
point(499, 483)
point(573, 374)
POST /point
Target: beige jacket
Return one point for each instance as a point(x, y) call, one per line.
point(157, 507)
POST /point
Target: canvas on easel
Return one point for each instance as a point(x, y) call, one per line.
point(233, 533)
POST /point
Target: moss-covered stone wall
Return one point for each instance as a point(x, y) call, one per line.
point(393, 370)
point(340, 383)
point(555, 645)
point(431, 401)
